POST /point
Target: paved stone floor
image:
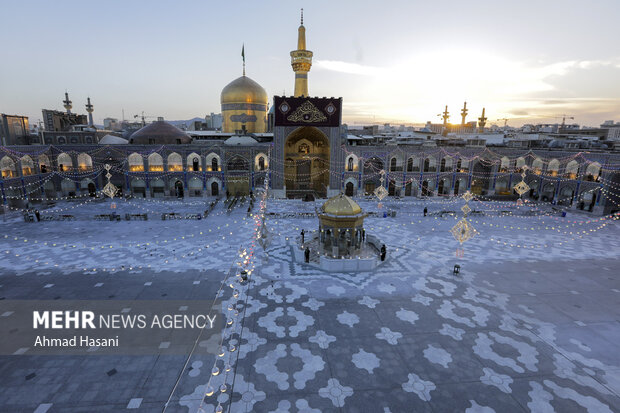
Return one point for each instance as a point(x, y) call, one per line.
point(527, 328)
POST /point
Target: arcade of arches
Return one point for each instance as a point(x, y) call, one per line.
point(306, 166)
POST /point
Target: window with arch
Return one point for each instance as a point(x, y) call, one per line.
point(85, 162)
point(446, 164)
point(261, 162)
point(410, 165)
point(462, 165)
point(193, 162)
point(136, 163)
point(393, 164)
point(44, 164)
point(213, 163)
point(350, 164)
point(175, 162)
point(64, 162)
point(27, 165)
point(429, 165)
point(504, 164)
point(537, 166)
point(553, 167)
point(520, 165)
point(593, 171)
point(572, 169)
point(156, 162)
point(7, 166)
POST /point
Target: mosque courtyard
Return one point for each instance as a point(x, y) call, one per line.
point(531, 322)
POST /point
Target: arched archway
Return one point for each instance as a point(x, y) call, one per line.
point(548, 191)
point(349, 188)
point(446, 164)
point(307, 162)
point(49, 189)
point(412, 165)
point(178, 189)
point(195, 187)
point(64, 162)
point(352, 162)
point(175, 162)
point(136, 163)
point(572, 169)
point(215, 189)
point(444, 187)
point(27, 165)
point(194, 162)
point(67, 187)
point(212, 162)
point(260, 162)
point(409, 188)
point(44, 164)
point(567, 193)
point(592, 171)
point(425, 191)
point(85, 162)
point(156, 162)
point(460, 186)
point(87, 184)
point(138, 188)
point(553, 167)
point(158, 188)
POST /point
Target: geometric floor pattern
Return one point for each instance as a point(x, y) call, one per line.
point(519, 329)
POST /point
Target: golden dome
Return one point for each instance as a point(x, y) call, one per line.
point(243, 90)
point(341, 205)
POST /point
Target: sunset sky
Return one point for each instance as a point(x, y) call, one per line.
point(391, 61)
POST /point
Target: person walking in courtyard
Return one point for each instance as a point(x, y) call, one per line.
point(383, 252)
point(37, 214)
point(307, 254)
point(425, 211)
point(302, 236)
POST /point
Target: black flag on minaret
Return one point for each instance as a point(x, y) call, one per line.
point(243, 56)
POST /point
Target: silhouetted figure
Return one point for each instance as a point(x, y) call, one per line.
point(303, 233)
point(363, 235)
point(425, 211)
point(307, 254)
point(383, 252)
point(38, 215)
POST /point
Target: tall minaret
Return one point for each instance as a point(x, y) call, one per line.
point(301, 60)
point(445, 116)
point(89, 109)
point(482, 121)
point(67, 103)
point(464, 114)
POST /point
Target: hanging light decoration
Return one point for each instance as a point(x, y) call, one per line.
point(463, 230)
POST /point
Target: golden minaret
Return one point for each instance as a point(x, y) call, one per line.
point(301, 60)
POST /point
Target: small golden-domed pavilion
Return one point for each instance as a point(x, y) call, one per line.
point(341, 226)
point(244, 106)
